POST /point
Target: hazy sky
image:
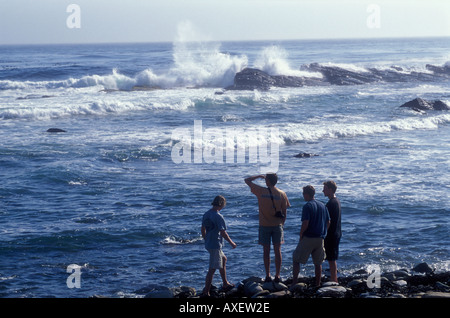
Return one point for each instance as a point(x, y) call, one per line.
point(47, 21)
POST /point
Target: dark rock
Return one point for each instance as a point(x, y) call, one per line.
point(252, 287)
point(422, 268)
point(34, 96)
point(251, 79)
point(55, 130)
point(361, 272)
point(340, 76)
point(439, 69)
point(419, 104)
point(332, 291)
point(305, 155)
point(433, 294)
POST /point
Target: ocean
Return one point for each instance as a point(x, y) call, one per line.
point(121, 193)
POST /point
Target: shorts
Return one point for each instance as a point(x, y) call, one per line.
point(309, 246)
point(216, 257)
point(272, 234)
point(332, 248)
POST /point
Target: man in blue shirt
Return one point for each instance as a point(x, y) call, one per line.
point(315, 223)
point(213, 232)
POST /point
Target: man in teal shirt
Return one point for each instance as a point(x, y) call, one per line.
point(214, 231)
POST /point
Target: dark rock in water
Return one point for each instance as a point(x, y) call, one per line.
point(444, 70)
point(340, 76)
point(250, 79)
point(55, 130)
point(34, 96)
point(305, 155)
point(422, 268)
point(419, 104)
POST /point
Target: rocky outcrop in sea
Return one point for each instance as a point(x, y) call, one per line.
point(252, 78)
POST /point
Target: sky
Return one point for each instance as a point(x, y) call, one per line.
point(111, 21)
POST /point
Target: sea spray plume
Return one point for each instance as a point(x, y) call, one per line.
point(274, 61)
point(199, 62)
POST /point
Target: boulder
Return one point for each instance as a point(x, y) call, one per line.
point(419, 104)
point(279, 294)
point(273, 286)
point(332, 291)
point(422, 268)
point(433, 294)
point(160, 293)
point(305, 155)
point(251, 288)
point(340, 76)
point(251, 79)
point(443, 70)
point(55, 130)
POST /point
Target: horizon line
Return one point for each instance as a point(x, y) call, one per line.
point(230, 40)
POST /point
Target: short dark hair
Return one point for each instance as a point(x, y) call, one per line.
point(309, 189)
point(273, 178)
point(331, 185)
point(219, 201)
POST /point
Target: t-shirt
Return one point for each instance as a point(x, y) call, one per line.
point(334, 208)
point(266, 211)
point(213, 222)
point(317, 215)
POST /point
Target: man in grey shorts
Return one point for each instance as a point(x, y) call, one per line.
point(214, 230)
point(273, 204)
point(315, 223)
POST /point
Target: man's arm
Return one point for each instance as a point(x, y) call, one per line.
point(225, 235)
point(303, 228)
point(203, 232)
point(249, 180)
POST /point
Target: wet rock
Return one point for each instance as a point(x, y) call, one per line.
point(263, 293)
point(252, 286)
point(443, 70)
point(361, 272)
point(340, 76)
point(56, 130)
point(160, 293)
point(279, 294)
point(251, 79)
point(305, 155)
point(357, 283)
point(273, 286)
point(422, 268)
point(400, 283)
point(332, 291)
point(420, 104)
point(433, 294)
point(299, 287)
point(184, 292)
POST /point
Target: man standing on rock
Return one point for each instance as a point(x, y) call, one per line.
point(214, 230)
point(273, 204)
point(334, 231)
point(315, 223)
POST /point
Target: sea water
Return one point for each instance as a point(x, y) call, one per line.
point(108, 197)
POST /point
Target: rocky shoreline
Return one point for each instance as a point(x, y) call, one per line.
point(418, 282)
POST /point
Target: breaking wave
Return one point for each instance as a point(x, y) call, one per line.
point(295, 133)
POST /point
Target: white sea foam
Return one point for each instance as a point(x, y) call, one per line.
point(314, 132)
